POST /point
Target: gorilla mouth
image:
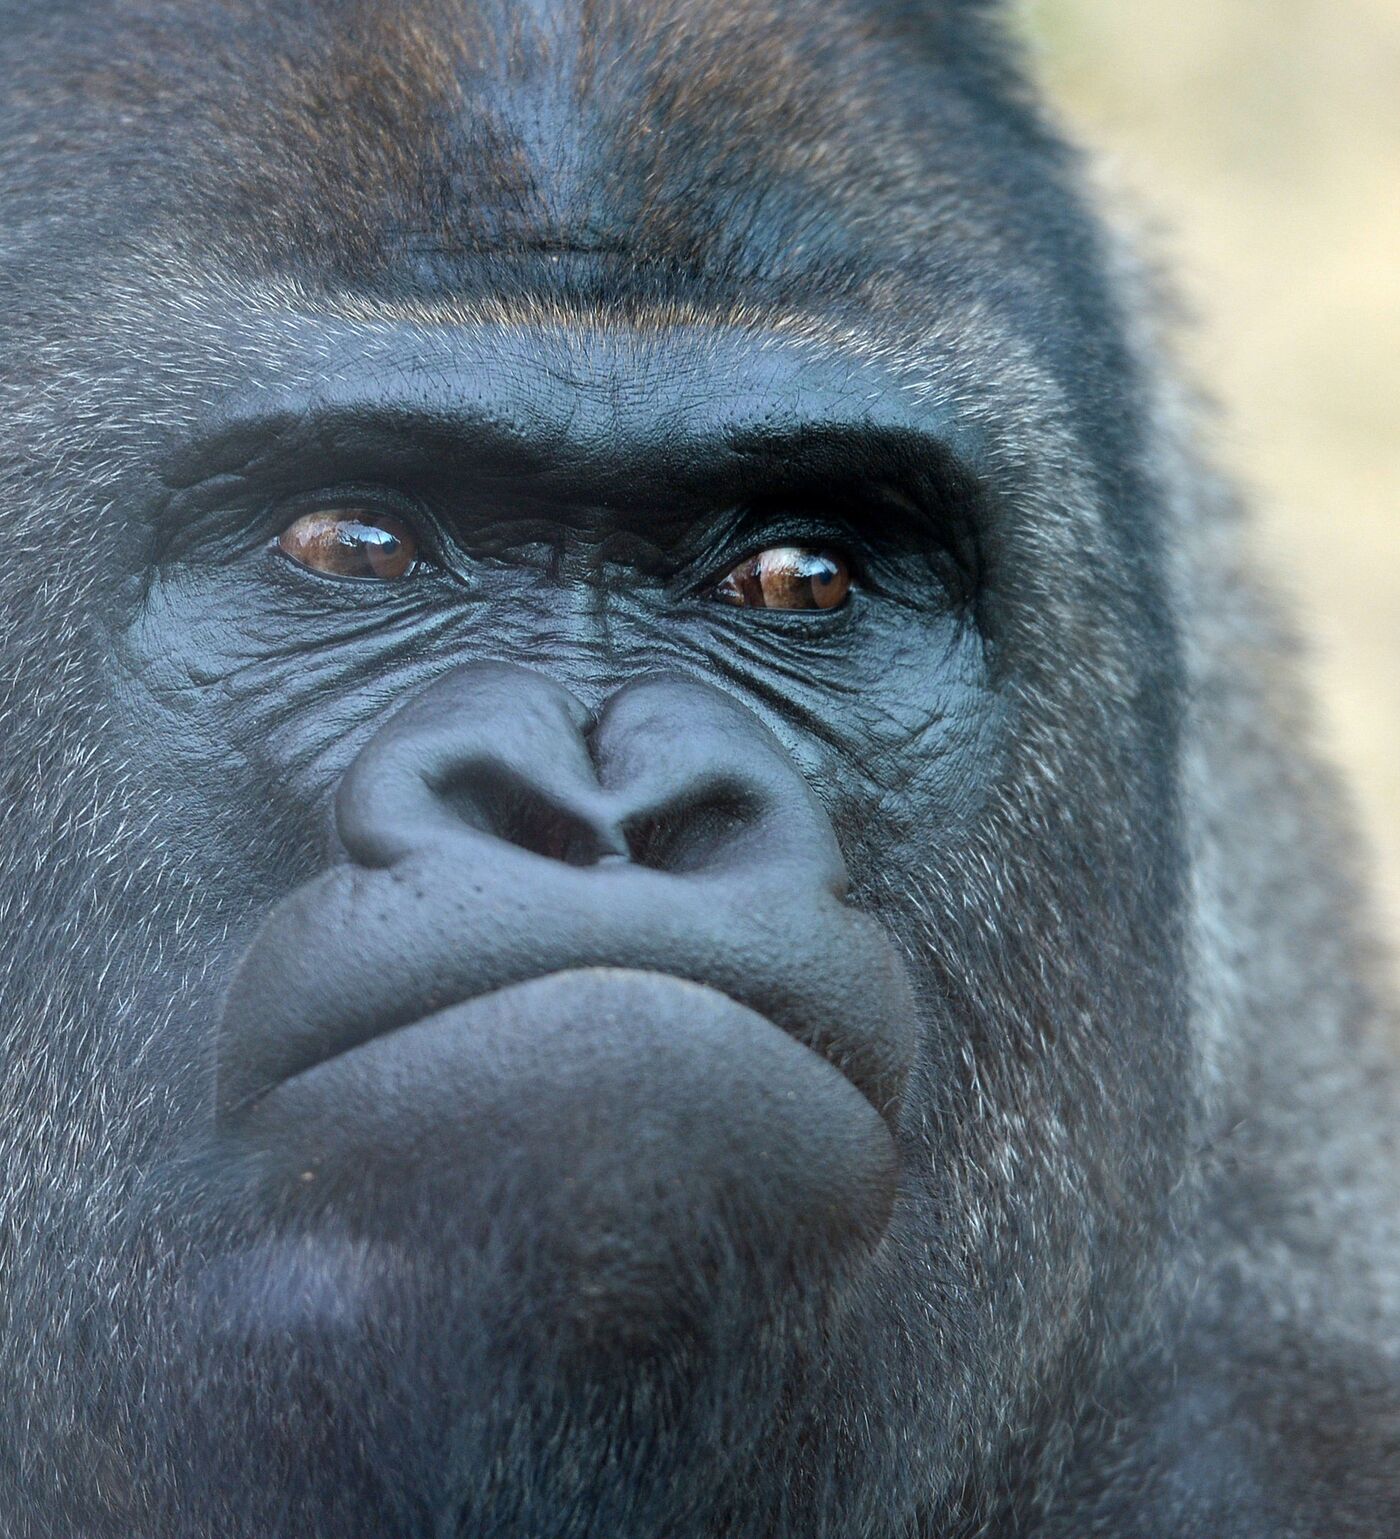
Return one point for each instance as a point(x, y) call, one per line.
point(638, 989)
point(641, 1103)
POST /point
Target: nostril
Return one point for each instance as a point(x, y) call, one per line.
point(702, 786)
point(692, 832)
point(558, 835)
point(490, 797)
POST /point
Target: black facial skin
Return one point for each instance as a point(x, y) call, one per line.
point(527, 1047)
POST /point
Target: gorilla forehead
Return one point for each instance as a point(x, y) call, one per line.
point(740, 141)
point(465, 125)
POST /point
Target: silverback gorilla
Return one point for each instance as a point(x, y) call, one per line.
point(658, 876)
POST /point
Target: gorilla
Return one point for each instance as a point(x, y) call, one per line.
point(662, 877)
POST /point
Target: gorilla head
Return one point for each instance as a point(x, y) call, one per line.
point(648, 891)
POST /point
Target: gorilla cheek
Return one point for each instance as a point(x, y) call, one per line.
point(600, 972)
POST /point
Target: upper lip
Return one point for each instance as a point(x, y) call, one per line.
point(310, 1063)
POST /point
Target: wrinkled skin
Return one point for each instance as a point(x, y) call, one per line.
point(520, 1045)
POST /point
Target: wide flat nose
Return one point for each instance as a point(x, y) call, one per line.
point(672, 775)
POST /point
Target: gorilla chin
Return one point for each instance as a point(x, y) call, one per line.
point(625, 1112)
point(551, 1246)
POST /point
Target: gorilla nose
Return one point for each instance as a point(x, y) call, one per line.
point(501, 836)
point(672, 775)
point(492, 748)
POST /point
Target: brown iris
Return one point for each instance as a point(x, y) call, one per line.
point(351, 542)
point(787, 577)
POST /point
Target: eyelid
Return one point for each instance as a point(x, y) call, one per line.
point(747, 534)
point(353, 496)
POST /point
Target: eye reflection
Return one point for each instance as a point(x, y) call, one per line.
point(787, 577)
point(351, 542)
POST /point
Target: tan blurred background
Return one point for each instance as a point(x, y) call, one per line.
point(1266, 135)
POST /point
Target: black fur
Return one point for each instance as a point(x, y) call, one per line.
point(535, 1052)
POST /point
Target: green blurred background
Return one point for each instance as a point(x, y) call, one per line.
point(1264, 136)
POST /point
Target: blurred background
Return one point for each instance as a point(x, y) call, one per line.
point(1264, 135)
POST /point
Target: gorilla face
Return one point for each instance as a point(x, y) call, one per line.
point(592, 870)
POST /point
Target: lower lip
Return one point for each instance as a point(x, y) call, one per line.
point(616, 1103)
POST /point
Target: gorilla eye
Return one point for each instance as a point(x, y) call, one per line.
point(351, 542)
point(787, 577)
